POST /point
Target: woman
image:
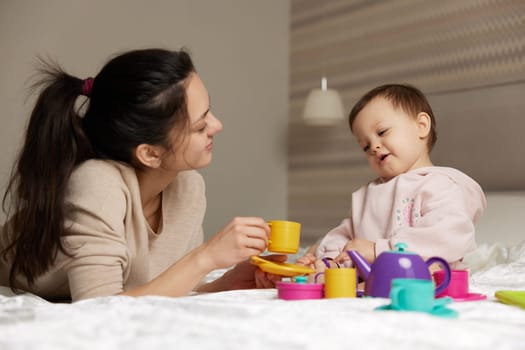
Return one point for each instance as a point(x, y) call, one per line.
point(108, 201)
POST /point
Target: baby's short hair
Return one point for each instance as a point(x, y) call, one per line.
point(407, 97)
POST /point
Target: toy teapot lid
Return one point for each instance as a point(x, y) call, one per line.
point(300, 279)
point(400, 248)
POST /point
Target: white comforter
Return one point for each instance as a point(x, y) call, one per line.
point(256, 319)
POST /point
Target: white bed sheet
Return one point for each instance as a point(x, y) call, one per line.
point(257, 319)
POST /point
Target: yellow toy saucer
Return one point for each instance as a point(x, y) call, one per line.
point(280, 268)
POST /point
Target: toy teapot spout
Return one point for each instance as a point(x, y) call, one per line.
point(363, 267)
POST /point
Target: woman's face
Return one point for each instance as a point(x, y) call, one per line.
point(196, 149)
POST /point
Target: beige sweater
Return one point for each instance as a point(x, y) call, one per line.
point(113, 247)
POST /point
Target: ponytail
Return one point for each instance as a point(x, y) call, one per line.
point(54, 144)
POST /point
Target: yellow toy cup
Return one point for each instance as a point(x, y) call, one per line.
point(284, 236)
point(339, 282)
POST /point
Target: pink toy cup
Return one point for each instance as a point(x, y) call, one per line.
point(299, 291)
point(458, 286)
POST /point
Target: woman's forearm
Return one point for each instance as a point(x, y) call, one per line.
point(180, 278)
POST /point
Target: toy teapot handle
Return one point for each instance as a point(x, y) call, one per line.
point(446, 269)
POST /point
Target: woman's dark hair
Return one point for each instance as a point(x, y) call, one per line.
point(137, 98)
point(404, 96)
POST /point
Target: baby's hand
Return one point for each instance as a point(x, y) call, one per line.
point(320, 266)
point(343, 256)
point(311, 261)
point(365, 247)
point(307, 260)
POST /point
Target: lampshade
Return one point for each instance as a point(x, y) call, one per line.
point(323, 106)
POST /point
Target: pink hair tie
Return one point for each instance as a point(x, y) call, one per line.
point(87, 85)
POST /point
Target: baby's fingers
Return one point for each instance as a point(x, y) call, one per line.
point(306, 260)
point(341, 258)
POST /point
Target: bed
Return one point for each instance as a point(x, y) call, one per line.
point(257, 319)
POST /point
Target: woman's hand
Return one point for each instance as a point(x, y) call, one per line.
point(236, 242)
point(245, 276)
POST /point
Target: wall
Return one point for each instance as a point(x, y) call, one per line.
point(467, 56)
point(240, 48)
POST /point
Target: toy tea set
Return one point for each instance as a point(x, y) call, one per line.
point(400, 275)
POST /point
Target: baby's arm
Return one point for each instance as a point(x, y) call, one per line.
point(321, 255)
point(333, 243)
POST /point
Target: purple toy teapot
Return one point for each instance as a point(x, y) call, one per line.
point(395, 264)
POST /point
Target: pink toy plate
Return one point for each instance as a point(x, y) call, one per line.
point(468, 297)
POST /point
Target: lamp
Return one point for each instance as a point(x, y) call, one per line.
point(323, 106)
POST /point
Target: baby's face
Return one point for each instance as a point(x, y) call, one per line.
point(393, 141)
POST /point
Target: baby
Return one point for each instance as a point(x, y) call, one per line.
point(431, 209)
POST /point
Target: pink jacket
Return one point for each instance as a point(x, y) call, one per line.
point(433, 210)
